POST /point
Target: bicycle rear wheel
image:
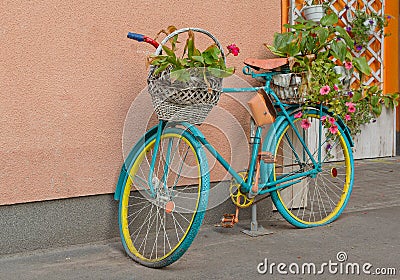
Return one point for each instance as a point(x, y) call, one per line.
point(158, 227)
point(319, 199)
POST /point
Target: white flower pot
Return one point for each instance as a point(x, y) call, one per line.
point(314, 12)
point(345, 78)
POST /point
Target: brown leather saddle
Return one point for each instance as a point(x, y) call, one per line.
point(266, 63)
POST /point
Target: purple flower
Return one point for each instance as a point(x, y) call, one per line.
point(359, 47)
point(328, 147)
point(371, 22)
point(348, 28)
point(389, 17)
point(350, 93)
point(346, 7)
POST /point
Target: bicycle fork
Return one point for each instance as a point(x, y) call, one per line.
point(151, 180)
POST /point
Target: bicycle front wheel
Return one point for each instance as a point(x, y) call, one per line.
point(315, 199)
point(158, 226)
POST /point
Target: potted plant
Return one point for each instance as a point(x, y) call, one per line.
point(314, 9)
point(186, 86)
point(309, 41)
point(210, 59)
point(317, 51)
point(364, 24)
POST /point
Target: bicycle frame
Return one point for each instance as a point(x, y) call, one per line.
point(265, 186)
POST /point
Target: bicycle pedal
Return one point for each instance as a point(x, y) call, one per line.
point(267, 157)
point(228, 221)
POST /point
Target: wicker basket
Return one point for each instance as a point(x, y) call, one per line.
point(184, 101)
point(289, 87)
point(188, 101)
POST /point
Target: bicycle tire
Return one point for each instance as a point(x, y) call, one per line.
point(169, 220)
point(312, 201)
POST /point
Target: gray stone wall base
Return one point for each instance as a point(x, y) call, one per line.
point(57, 223)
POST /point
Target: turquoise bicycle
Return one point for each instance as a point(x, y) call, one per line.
point(164, 182)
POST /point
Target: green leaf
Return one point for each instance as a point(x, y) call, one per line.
point(343, 33)
point(295, 26)
point(374, 100)
point(387, 102)
point(310, 44)
point(168, 51)
point(180, 75)
point(160, 69)
point(377, 110)
point(282, 40)
point(208, 59)
point(190, 44)
point(322, 34)
point(329, 20)
point(292, 50)
point(361, 65)
point(357, 96)
point(183, 62)
point(275, 51)
point(198, 58)
point(158, 60)
point(213, 51)
point(339, 50)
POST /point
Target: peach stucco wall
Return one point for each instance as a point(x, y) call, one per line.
point(68, 76)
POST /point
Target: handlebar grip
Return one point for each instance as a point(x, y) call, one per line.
point(135, 36)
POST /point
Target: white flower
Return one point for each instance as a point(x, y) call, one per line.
point(370, 23)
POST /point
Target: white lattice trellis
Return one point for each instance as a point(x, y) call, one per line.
point(345, 10)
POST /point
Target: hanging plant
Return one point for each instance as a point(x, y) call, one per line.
point(364, 25)
point(314, 10)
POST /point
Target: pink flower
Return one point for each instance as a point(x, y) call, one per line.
point(298, 115)
point(233, 49)
point(305, 124)
point(333, 129)
point(335, 87)
point(351, 107)
point(348, 65)
point(332, 120)
point(347, 117)
point(323, 118)
point(325, 90)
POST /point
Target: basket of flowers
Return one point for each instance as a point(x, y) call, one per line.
point(187, 87)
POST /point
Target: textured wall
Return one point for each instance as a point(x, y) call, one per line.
point(68, 76)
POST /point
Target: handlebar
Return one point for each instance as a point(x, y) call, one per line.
point(142, 38)
point(136, 36)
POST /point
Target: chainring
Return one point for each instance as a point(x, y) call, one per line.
point(238, 198)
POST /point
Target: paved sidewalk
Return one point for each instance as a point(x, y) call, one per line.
point(367, 232)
